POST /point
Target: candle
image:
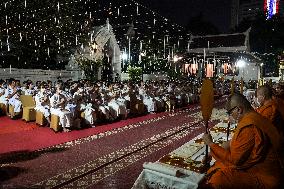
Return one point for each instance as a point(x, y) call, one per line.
point(228, 130)
point(58, 6)
point(164, 46)
point(137, 9)
point(141, 45)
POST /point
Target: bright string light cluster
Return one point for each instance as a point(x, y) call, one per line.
point(45, 33)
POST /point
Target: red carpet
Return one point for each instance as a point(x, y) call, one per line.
point(35, 167)
point(113, 160)
point(8, 125)
point(17, 135)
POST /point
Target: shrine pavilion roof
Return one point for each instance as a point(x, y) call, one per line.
point(236, 42)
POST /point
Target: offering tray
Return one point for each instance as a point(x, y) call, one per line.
point(192, 165)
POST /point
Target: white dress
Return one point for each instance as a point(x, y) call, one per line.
point(14, 100)
point(104, 108)
point(3, 98)
point(64, 115)
point(89, 113)
point(118, 106)
point(45, 109)
point(150, 103)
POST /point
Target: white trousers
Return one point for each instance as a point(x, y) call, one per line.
point(43, 109)
point(3, 100)
point(16, 104)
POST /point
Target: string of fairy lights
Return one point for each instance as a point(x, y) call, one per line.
point(36, 33)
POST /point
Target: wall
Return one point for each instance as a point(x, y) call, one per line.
point(43, 75)
point(124, 76)
point(37, 74)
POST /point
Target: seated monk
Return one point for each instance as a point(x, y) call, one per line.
point(269, 107)
point(252, 158)
point(279, 91)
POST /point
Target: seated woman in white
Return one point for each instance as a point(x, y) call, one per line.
point(86, 107)
point(103, 107)
point(70, 105)
point(13, 96)
point(3, 94)
point(57, 103)
point(118, 106)
point(42, 103)
point(29, 90)
point(150, 102)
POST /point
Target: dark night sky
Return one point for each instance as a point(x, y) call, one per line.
point(180, 11)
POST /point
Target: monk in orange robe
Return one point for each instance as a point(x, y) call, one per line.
point(270, 107)
point(279, 91)
point(252, 158)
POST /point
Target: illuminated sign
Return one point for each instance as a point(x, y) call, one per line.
point(271, 7)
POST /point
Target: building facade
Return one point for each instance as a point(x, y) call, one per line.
point(248, 9)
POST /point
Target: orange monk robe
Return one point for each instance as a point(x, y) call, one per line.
point(281, 96)
point(273, 111)
point(280, 106)
point(252, 160)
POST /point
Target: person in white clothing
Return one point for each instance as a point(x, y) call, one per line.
point(13, 96)
point(150, 102)
point(57, 103)
point(3, 95)
point(29, 90)
point(103, 106)
point(118, 106)
point(42, 103)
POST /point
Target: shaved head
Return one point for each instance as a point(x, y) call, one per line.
point(265, 91)
point(239, 101)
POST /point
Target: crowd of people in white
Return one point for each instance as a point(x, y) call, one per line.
point(99, 101)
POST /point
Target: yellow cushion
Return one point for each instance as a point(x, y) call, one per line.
point(3, 108)
point(39, 118)
point(29, 114)
point(54, 123)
